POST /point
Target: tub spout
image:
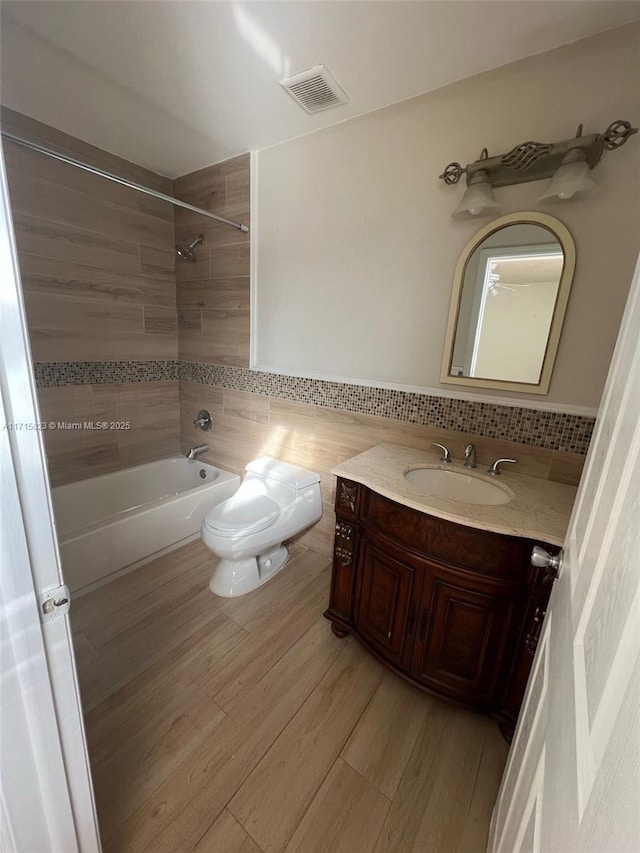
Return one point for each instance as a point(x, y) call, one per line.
point(194, 451)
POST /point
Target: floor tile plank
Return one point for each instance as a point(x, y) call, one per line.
point(274, 798)
point(180, 811)
point(381, 744)
point(346, 815)
point(435, 792)
point(244, 726)
point(247, 662)
point(226, 836)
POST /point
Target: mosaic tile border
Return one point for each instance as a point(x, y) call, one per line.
point(52, 374)
point(534, 427)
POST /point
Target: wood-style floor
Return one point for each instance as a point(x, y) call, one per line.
point(243, 725)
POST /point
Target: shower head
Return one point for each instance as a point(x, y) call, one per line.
point(186, 252)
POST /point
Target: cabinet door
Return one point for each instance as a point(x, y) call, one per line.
point(463, 627)
point(384, 614)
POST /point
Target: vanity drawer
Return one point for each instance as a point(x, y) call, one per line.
point(487, 552)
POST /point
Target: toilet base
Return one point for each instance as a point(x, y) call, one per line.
point(231, 578)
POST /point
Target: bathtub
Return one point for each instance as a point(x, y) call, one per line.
point(113, 522)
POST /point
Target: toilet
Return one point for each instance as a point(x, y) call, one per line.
point(275, 501)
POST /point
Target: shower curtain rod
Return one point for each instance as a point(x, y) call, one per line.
point(95, 171)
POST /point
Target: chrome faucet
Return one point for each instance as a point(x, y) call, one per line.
point(446, 456)
point(494, 468)
point(470, 456)
point(194, 451)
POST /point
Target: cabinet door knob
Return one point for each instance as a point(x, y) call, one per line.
point(542, 559)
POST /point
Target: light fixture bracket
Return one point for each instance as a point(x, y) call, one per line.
point(535, 161)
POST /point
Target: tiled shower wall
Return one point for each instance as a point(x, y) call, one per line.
point(98, 275)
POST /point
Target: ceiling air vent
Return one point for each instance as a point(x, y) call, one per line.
point(315, 90)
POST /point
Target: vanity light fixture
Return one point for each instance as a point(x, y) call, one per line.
point(568, 162)
point(478, 197)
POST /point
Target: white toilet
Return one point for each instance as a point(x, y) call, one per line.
point(274, 502)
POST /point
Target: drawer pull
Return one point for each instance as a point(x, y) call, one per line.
point(423, 624)
point(343, 547)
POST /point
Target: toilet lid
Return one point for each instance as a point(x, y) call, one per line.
point(242, 515)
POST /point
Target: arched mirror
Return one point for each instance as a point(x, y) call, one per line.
point(510, 292)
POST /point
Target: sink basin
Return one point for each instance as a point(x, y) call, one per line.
point(457, 486)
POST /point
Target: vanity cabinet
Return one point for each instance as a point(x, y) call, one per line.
point(455, 610)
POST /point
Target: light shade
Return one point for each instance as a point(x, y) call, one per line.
point(477, 200)
point(572, 178)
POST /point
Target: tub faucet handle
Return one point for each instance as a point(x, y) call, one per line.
point(203, 420)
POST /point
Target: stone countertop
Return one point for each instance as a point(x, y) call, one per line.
point(538, 509)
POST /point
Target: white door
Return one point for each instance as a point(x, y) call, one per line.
point(46, 797)
point(572, 781)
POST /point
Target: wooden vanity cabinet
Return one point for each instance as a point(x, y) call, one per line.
point(455, 610)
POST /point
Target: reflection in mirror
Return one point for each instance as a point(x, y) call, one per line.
point(508, 296)
point(508, 305)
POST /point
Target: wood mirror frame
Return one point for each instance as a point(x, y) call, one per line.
point(560, 233)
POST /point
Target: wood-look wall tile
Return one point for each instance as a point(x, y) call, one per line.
point(198, 270)
point(59, 344)
point(192, 294)
point(225, 337)
point(49, 239)
point(29, 163)
point(229, 294)
point(47, 200)
point(215, 233)
point(222, 294)
point(238, 184)
point(230, 260)
point(189, 321)
point(243, 404)
point(566, 467)
point(95, 317)
point(160, 321)
point(156, 261)
point(206, 188)
point(300, 417)
point(189, 345)
point(67, 278)
point(194, 397)
point(75, 454)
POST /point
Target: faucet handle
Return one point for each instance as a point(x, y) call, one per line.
point(203, 420)
point(494, 469)
point(446, 456)
point(470, 455)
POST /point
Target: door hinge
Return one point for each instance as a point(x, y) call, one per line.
point(54, 602)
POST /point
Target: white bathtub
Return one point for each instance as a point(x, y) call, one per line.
point(109, 523)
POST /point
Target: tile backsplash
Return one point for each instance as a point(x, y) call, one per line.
point(528, 426)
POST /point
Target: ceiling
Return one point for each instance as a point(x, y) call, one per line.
point(176, 86)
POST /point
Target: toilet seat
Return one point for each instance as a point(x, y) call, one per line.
point(242, 515)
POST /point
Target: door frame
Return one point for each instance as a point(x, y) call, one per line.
point(30, 558)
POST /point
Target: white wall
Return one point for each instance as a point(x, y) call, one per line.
point(355, 248)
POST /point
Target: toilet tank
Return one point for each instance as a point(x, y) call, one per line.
point(291, 475)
